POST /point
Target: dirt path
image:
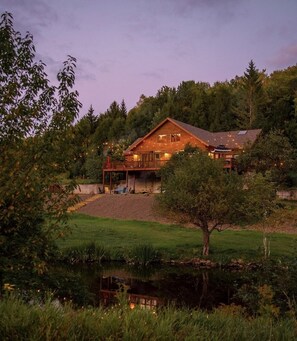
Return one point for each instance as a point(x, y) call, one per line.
point(129, 206)
point(141, 207)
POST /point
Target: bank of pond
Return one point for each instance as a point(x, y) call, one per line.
point(120, 301)
point(159, 285)
point(48, 322)
point(122, 288)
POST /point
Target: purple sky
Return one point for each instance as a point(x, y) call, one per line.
point(125, 48)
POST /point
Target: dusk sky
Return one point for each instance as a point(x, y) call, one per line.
point(125, 48)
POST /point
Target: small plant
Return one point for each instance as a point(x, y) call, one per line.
point(266, 306)
point(86, 253)
point(142, 254)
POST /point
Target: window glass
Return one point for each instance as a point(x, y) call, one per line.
point(162, 138)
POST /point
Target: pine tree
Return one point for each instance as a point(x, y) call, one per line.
point(251, 97)
point(123, 109)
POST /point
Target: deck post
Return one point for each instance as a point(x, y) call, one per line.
point(103, 181)
point(110, 182)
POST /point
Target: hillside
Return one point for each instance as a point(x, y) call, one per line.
point(143, 207)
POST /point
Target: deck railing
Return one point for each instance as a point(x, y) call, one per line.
point(156, 164)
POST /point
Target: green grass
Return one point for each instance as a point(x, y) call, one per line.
point(173, 241)
point(19, 321)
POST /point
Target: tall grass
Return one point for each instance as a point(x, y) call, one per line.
point(142, 254)
point(86, 253)
point(49, 322)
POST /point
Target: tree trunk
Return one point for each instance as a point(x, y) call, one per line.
point(206, 236)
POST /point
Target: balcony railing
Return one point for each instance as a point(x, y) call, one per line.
point(154, 165)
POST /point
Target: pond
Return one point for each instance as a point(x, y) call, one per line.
point(180, 286)
point(151, 287)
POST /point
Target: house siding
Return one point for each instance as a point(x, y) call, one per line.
point(151, 144)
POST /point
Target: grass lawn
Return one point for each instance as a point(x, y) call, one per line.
point(174, 241)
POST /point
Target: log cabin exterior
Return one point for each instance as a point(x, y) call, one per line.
point(148, 154)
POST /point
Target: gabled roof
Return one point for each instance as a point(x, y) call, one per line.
point(202, 135)
point(230, 139)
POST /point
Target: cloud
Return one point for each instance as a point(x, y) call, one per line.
point(287, 56)
point(84, 65)
point(31, 13)
point(152, 74)
point(222, 10)
point(105, 66)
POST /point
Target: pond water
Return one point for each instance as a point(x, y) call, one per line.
point(150, 287)
point(176, 285)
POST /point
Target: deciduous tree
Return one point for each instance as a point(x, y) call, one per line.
point(271, 153)
point(34, 122)
point(196, 189)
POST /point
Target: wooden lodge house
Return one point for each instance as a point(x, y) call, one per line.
point(148, 154)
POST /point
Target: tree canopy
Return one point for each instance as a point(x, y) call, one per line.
point(251, 100)
point(196, 189)
point(35, 120)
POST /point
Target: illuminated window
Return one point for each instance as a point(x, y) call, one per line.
point(162, 138)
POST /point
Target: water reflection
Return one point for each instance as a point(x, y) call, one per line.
point(154, 286)
point(151, 287)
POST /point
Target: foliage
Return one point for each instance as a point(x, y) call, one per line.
point(250, 97)
point(34, 122)
point(282, 106)
point(93, 165)
point(20, 321)
point(259, 198)
point(272, 153)
point(251, 100)
point(142, 254)
point(85, 253)
point(198, 190)
point(91, 135)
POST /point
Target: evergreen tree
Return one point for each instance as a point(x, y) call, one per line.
point(250, 97)
point(123, 109)
point(92, 120)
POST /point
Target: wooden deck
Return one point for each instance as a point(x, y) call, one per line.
point(118, 166)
